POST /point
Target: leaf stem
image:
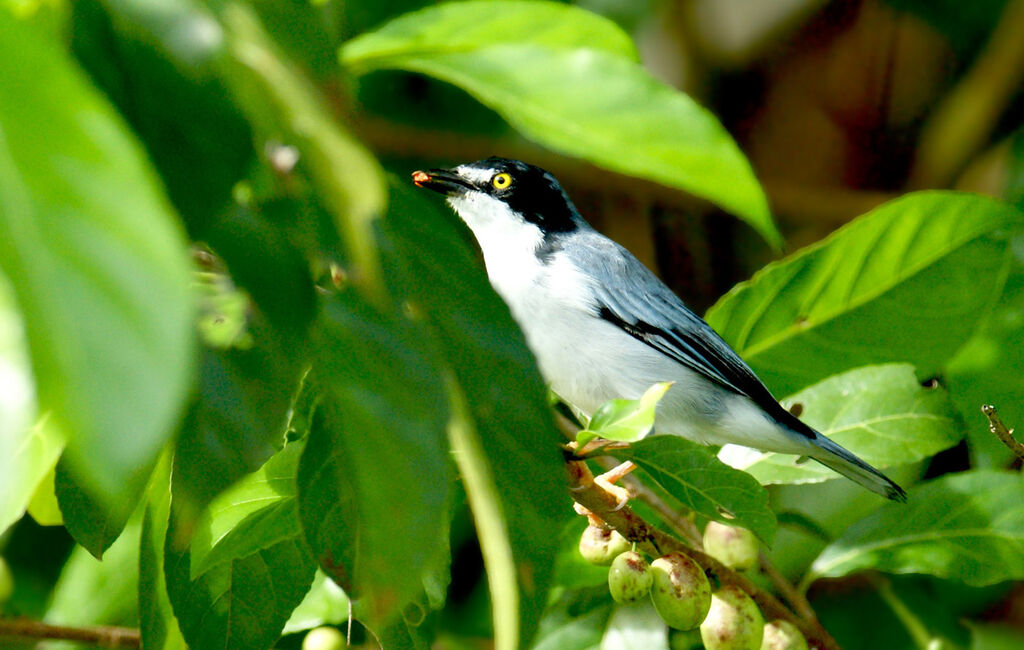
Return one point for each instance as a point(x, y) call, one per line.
point(605, 504)
point(105, 636)
point(917, 630)
point(996, 426)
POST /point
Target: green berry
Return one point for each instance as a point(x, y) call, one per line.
point(782, 635)
point(629, 579)
point(681, 592)
point(600, 546)
point(688, 640)
point(323, 638)
point(733, 623)
point(734, 547)
point(6, 582)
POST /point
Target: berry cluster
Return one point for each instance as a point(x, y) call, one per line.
point(682, 594)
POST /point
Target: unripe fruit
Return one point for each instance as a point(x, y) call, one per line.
point(600, 546)
point(6, 582)
point(734, 547)
point(680, 640)
point(323, 638)
point(733, 623)
point(782, 635)
point(629, 579)
point(681, 592)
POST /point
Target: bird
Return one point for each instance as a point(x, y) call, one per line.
point(602, 325)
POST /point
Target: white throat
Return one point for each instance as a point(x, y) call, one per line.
point(509, 243)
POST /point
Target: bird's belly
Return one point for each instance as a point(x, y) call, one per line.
point(589, 361)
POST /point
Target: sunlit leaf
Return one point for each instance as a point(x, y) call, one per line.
point(967, 527)
point(98, 264)
point(324, 604)
point(907, 282)
point(625, 419)
point(577, 96)
point(881, 413)
point(458, 27)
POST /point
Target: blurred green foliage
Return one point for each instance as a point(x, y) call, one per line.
point(271, 380)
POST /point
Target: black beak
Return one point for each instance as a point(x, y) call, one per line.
point(443, 181)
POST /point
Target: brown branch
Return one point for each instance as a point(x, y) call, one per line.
point(996, 426)
point(655, 542)
point(106, 636)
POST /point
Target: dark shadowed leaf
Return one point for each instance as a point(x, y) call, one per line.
point(98, 264)
point(881, 413)
point(694, 476)
point(157, 62)
point(867, 293)
point(93, 525)
point(375, 476)
point(966, 527)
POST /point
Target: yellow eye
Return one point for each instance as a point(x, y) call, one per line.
point(501, 181)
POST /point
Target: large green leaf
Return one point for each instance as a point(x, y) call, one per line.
point(694, 476)
point(881, 413)
point(460, 27)
point(513, 468)
point(375, 476)
point(908, 282)
point(967, 527)
point(543, 70)
point(98, 264)
point(27, 451)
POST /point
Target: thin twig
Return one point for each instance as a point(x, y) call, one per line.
point(106, 636)
point(655, 542)
point(791, 594)
point(996, 426)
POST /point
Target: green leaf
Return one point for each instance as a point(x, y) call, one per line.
point(239, 417)
point(987, 370)
point(625, 419)
point(375, 476)
point(255, 513)
point(243, 603)
point(94, 525)
point(324, 604)
point(907, 282)
point(967, 527)
point(157, 624)
point(246, 565)
point(518, 494)
point(459, 27)
point(881, 413)
point(693, 475)
point(567, 92)
point(98, 264)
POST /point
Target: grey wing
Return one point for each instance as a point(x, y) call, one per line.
point(631, 297)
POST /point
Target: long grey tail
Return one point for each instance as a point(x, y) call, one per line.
point(835, 457)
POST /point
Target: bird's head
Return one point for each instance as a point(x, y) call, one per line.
point(503, 194)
